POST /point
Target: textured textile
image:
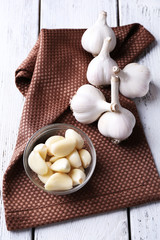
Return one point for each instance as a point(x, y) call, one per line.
point(125, 174)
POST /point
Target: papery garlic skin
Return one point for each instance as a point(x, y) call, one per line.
point(116, 125)
point(88, 104)
point(93, 37)
point(100, 68)
point(134, 80)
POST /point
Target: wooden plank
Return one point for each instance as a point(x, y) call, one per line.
point(81, 14)
point(145, 222)
point(19, 31)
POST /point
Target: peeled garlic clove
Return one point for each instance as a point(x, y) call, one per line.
point(53, 159)
point(42, 149)
point(70, 133)
point(85, 157)
point(100, 68)
point(74, 159)
point(59, 182)
point(93, 37)
point(134, 80)
point(78, 176)
point(63, 148)
point(52, 140)
point(61, 165)
point(88, 104)
point(81, 168)
point(44, 178)
point(37, 163)
point(49, 164)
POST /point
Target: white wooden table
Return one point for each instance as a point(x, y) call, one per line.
point(20, 23)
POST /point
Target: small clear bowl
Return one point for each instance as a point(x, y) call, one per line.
point(40, 137)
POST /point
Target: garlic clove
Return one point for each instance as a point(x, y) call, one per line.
point(70, 133)
point(74, 159)
point(85, 157)
point(61, 165)
point(42, 149)
point(100, 68)
point(49, 164)
point(59, 182)
point(44, 178)
point(37, 163)
point(78, 176)
point(93, 37)
point(53, 159)
point(88, 104)
point(50, 141)
point(117, 125)
point(134, 80)
point(81, 168)
point(63, 148)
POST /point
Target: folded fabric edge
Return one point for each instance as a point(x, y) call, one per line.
point(137, 199)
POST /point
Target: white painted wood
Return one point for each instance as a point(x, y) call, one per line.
point(145, 221)
point(75, 13)
point(112, 226)
point(19, 31)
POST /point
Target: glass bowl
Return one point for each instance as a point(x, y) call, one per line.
point(40, 137)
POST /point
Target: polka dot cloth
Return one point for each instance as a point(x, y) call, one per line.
point(125, 174)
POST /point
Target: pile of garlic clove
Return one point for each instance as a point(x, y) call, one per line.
point(61, 161)
point(89, 104)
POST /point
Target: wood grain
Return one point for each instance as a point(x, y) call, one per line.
point(19, 29)
point(145, 223)
point(112, 226)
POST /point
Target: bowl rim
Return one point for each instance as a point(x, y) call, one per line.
point(59, 125)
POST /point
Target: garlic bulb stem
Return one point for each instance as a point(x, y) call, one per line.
point(102, 18)
point(116, 69)
point(119, 72)
point(105, 48)
point(115, 91)
point(107, 107)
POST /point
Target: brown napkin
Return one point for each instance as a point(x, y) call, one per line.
point(125, 174)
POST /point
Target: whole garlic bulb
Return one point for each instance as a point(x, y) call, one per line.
point(100, 68)
point(116, 125)
point(93, 37)
point(89, 103)
point(134, 80)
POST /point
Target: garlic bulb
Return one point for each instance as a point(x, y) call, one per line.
point(134, 80)
point(89, 103)
point(93, 37)
point(100, 68)
point(116, 125)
